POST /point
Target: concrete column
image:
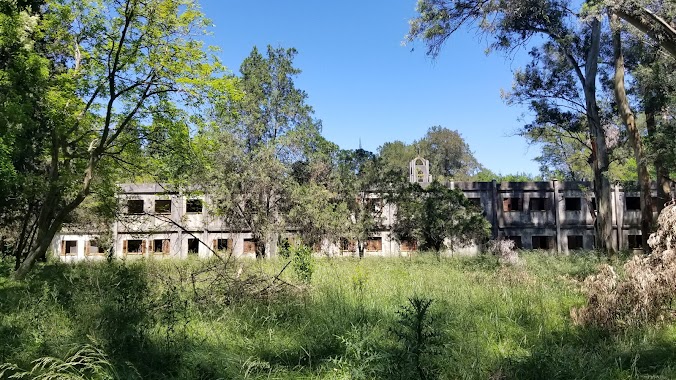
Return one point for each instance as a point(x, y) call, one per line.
point(557, 216)
point(496, 204)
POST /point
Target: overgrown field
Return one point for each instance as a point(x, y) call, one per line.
point(449, 318)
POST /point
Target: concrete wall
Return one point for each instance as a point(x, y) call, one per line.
point(527, 211)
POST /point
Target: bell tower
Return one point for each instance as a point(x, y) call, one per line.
point(419, 171)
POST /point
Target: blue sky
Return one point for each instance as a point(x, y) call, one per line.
point(363, 84)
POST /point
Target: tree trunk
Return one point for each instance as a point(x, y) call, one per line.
point(662, 173)
point(599, 159)
point(632, 130)
point(50, 219)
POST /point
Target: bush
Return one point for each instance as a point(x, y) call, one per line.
point(646, 290)
point(503, 249)
point(419, 340)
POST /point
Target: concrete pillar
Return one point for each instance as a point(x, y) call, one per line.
point(557, 216)
point(496, 204)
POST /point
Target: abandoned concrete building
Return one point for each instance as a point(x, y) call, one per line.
point(555, 216)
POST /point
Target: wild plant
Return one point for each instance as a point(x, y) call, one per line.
point(644, 293)
point(86, 362)
point(419, 340)
point(503, 249)
point(362, 358)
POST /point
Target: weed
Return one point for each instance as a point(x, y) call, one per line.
point(419, 339)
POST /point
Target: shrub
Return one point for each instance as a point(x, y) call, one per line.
point(646, 290)
point(503, 249)
point(419, 340)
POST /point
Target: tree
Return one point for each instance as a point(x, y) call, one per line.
point(395, 157)
point(111, 67)
point(632, 129)
point(654, 90)
point(437, 215)
point(513, 24)
point(363, 185)
point(449, 154)
point(262, 151)
point(650, 17)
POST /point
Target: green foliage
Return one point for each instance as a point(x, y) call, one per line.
point(85, 363)
point(262, 155)
point(90, 86)
point(449, 155)
point(302, 262)
point(436, 214)
point(419, 339)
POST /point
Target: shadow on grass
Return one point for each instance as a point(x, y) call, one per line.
point(582, 353)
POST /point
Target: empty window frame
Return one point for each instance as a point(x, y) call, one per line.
point(193, 246)
point(94, 248)
point(573, 203)
point(374, 244)
point(193, 206)
point(134, 247)
point(512, 204)
point(575, 242)
point(163, 206)
point(222, 244)
point(161, 246)
point(408, 245)
point(632, 203)
point(135, 206)
point(592, 204)
point(476, 202)
point(635, 241)
point(374, 204)
point(249, 246)
point(69, 247)
point(537, 204)
point(347, 245)
point(517, 241)
point(542, 242)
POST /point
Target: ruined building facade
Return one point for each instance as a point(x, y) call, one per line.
point(553, 215)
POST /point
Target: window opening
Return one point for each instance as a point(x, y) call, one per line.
point(135, 206)
point(70, 248)
point(516, 240)
point(543, 242)
point(573, 204)
point(193, 206)
point(635, 241)
point(163, 206)
point(374, 244)
point(633, 203)
point(511, 204)
point(249, 246)
point(537, 204)
point(575, 242)
point(134, 246)
point(193, 246)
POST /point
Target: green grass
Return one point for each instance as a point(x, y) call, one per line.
point(491, 321)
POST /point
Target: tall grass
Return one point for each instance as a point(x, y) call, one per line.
point(488, 321)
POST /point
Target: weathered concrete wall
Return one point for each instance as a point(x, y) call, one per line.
point(558, 215)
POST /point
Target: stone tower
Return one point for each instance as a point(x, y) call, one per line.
point(419, 171)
